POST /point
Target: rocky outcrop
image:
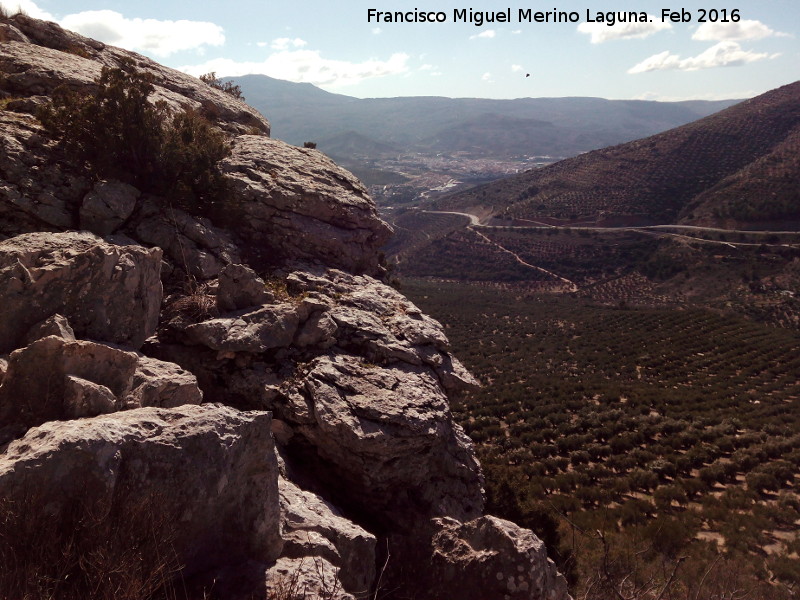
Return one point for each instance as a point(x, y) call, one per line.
point(490, 558)
point(366, 404)
point(107, 206)
point(66, 58)
point(212, 469)
point(271, 306)
point(57, 378)
point(36, 192)
point(388, 436)
point(107, 292)
point(313, 528)
point(297, 202)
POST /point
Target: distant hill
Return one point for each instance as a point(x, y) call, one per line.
point(483, 128)
point(738, 167)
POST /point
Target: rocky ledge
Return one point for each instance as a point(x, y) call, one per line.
point(248, 387)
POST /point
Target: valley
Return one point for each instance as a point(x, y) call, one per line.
point(633, 315)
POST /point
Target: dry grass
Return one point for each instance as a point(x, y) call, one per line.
point(114, 550)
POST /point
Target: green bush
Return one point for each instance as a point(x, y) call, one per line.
point(115, 132)
point(226, 86)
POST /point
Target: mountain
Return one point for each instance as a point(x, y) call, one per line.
point(481, 127)
point(737, 167)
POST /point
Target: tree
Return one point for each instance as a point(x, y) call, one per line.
point(115, 132)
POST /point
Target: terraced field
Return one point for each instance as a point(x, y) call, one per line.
point(657, 448)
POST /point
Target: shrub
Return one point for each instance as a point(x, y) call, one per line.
point(115, 132)
point(226, 86)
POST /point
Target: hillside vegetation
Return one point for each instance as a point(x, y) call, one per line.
point(738, 166)
point(660, 446)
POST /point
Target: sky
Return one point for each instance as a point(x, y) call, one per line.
point(741, 50)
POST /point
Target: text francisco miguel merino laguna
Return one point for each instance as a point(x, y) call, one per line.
point(527, 15)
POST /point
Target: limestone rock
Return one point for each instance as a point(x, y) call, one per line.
point(240, 287)
point(56, 325)
point(108, 292)
point(299, 205)
point(390, 437)
point(270, 326)
point(305, 578)
point(375, 320)
point(490, 558)
point(36, 191)
point(211, 467)
point(84, 398)
point(193, 244)
point(57, 56)
point(164, 384)
point(63, 378)
point(107, 206)
point(314, 528)
point(38, 388)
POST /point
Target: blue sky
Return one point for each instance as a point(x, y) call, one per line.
point(332, 45)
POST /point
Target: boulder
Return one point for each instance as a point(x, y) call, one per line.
point(270, 326)
point(107, 206)
point(63, 378)
point(374, 320)
point(314, 528)
point(296, 204)
point(108, 292)
point(484, 559)
point(56, 325)
point(84, 398)
point(240, 287)
point(54, 378)
point(210, 468)
point(386, 439)
point(490, 558)
point(164, 384)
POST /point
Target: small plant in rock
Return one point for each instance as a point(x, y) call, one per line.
point(226, 86)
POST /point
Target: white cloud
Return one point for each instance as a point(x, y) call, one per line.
point(426, 67)
point(161, 38)
point(600, 32)
point(516, 68)
point(285, 43)
point(377, 31)
point(306, 66)
point(735, 32)
point(724, 54)
point(28, 7)
point(487, 35)
point(487, 77)
point(517, 31)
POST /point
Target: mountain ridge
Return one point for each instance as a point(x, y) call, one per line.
point(666, 177)
point(302, 112)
